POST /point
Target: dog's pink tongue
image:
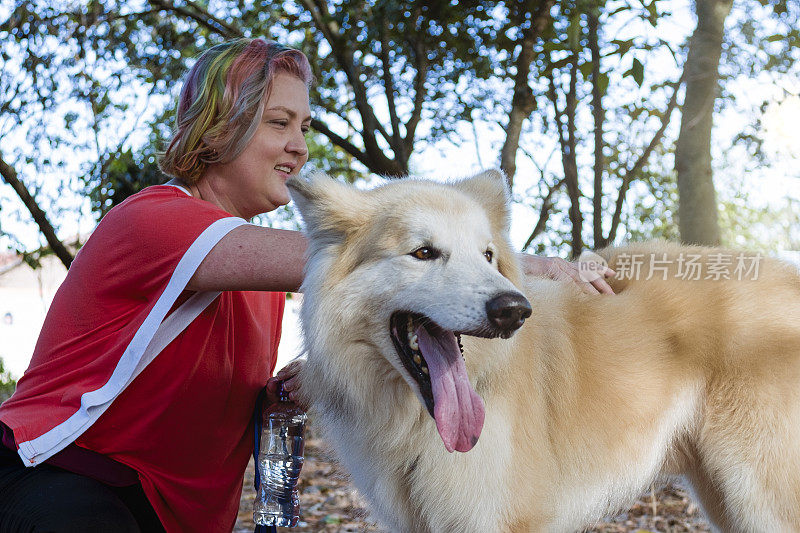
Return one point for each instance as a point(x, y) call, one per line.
point(458, 410)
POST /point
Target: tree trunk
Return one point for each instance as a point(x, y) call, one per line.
point(10, 177)
point(571, 163)
point(697, 209)
point(522, 103)
point(599, 117)
point(565, 127)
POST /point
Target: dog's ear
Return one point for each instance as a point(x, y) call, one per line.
point(329, 208)
point(490, 189)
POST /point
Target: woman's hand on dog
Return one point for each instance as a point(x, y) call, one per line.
point(561, 270)
point(291, 384)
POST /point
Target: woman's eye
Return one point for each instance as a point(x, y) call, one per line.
point(488, 255)
point(426, 253)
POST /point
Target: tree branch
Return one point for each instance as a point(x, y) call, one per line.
point(551, 93)
point(341, 115)
point(544, 213)
point(340, 141)
point(388, 87)
point(698, 211)
point(421, 60)
point(10, 177)
point(377, 160)
point(571, 162)
point(234, 30)
point(202, 17)
point(630, 175)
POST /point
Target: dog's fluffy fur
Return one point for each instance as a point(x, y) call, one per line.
point(589, 402)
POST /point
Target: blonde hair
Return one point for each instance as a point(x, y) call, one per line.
point(222, 101)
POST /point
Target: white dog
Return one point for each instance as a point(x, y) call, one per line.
point(589, 402)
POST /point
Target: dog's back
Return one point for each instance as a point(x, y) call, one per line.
point(690, 370)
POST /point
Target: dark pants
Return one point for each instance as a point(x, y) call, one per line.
point(49, 499)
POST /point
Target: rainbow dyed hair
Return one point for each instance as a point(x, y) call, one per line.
point(222, 101)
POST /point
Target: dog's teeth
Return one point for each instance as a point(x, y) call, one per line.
point(417, 359)
point(425, 370)
point(413, 342)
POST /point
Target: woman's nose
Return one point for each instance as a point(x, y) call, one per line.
point(297, 144)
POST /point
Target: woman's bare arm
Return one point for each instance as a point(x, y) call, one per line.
point(253, 258)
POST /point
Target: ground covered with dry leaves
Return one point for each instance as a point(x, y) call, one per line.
point(330, 504)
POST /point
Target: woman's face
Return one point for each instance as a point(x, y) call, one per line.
point(255, 181)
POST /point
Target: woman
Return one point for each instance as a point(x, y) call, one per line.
point(121, 439)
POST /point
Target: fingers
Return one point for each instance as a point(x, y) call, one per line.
point(602, 286)
point(291, 385)
point(288, 376)
point(294, 392)
point(599, 273)
point(290, 370)
point(292, 389)
point(561, 270)
point(273, 390)
point(534, 265)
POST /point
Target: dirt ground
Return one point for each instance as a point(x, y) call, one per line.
point(330, 504)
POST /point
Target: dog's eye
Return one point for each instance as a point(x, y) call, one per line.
point(488, 254)
point(426, 253)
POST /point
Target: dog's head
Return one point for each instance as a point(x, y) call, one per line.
point(409, 267)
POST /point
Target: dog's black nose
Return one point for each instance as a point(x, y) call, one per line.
point(508, 311)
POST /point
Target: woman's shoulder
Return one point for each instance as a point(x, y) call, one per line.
point(154, 195)
point(162, 203)
point(158, 221)
point(155, 216)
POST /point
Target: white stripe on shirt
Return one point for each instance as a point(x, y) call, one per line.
point(142, 349)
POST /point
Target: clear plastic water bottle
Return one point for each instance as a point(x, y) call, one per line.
point(280, 459)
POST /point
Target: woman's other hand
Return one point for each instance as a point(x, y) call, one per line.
point(291, 384)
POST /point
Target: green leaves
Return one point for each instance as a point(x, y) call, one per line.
point(637, 71)
point(623, 46)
